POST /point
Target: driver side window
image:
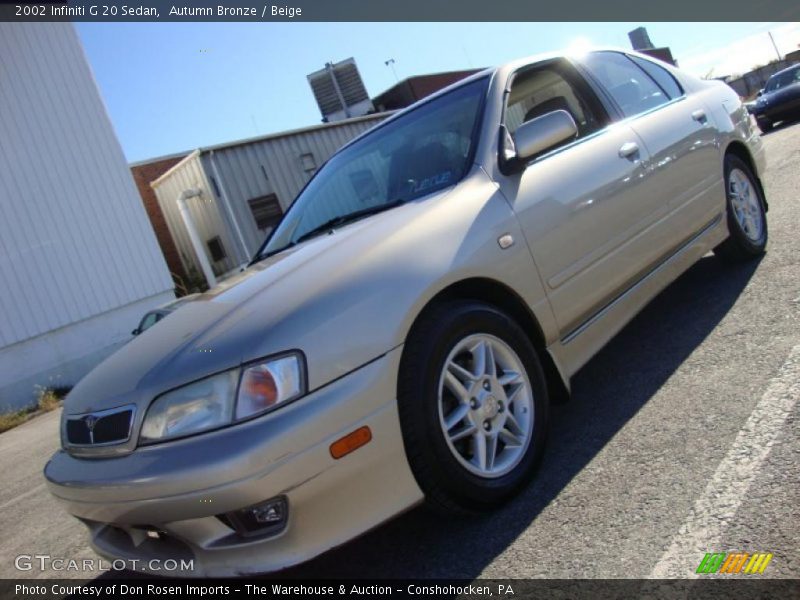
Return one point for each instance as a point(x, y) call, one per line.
point(538, 91)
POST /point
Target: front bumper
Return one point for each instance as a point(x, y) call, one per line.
point(778, 111)
point(180, 487)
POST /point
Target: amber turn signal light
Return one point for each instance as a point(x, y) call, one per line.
point(352, 441)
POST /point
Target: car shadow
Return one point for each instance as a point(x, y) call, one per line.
point(780, 125)
point(607, 393)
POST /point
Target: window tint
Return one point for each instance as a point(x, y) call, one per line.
point(542, 90)
point(782, 80)
point(632, 89)
point(662, 77)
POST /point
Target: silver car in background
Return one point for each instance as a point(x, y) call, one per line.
point(400, 335)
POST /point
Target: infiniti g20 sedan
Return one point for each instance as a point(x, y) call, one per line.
point(399, 336)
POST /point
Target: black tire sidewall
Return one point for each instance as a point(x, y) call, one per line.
point(436, 469)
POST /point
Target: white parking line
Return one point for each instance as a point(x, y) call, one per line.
point(728, 487)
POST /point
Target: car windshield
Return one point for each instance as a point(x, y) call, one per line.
point(148, 321)
point(423, 151)
point(781, 80)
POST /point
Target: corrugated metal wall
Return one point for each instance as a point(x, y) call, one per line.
point(274, 165)
point(238, 173)
point(74, 238)
point(206, 216)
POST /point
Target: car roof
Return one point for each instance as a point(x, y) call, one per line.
point(507, 67)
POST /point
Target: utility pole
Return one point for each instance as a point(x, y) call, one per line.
point(774, 45)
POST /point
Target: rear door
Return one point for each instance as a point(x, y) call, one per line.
point(684, 173)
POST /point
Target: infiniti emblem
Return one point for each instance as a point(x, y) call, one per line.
point(90, 421)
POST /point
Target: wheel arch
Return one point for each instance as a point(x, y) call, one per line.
point(500, 296)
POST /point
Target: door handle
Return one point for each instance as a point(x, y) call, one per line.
point(629, 150)
point(699, 115)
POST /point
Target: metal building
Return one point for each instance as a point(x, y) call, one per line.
point(79, 263)
point(220, 202)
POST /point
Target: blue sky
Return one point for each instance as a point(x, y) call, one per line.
point(171, 87)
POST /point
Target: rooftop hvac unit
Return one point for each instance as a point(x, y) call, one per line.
point(639, 39)
point(339, 91)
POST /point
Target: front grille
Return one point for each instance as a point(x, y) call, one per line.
point(78, 432)
point(106, 427)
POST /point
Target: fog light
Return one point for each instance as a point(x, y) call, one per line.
point(267, 518)
point(272, 512)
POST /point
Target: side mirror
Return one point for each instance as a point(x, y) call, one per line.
point(543, 133)
point(136, 331)
point(760, 93)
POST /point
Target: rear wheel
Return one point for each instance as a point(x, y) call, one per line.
point(747, 220)
point(473, 406)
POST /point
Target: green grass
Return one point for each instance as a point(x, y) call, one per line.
point(49, 399)
point(11, 420)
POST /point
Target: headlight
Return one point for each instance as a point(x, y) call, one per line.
point(214, 402)
point(269, 384)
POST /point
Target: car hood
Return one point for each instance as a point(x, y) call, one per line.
point(246, 317)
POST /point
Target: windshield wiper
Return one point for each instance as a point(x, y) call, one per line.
point(330, 224)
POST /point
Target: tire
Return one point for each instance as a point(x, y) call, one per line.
point(448, 470)
point(765, 126)
point(745, 208)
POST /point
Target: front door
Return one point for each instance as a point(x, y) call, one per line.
point(582, 206)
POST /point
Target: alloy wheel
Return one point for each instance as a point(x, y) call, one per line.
point(746, 205)
point(486, 405)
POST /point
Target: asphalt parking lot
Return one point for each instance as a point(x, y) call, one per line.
point(681, 438)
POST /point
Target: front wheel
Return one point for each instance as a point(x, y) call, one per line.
point(747, 220)
point(473, 406)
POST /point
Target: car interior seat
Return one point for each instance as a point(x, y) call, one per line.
point(549, 105)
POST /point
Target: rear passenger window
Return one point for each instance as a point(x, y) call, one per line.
point(662, 77)
point(633, 90)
